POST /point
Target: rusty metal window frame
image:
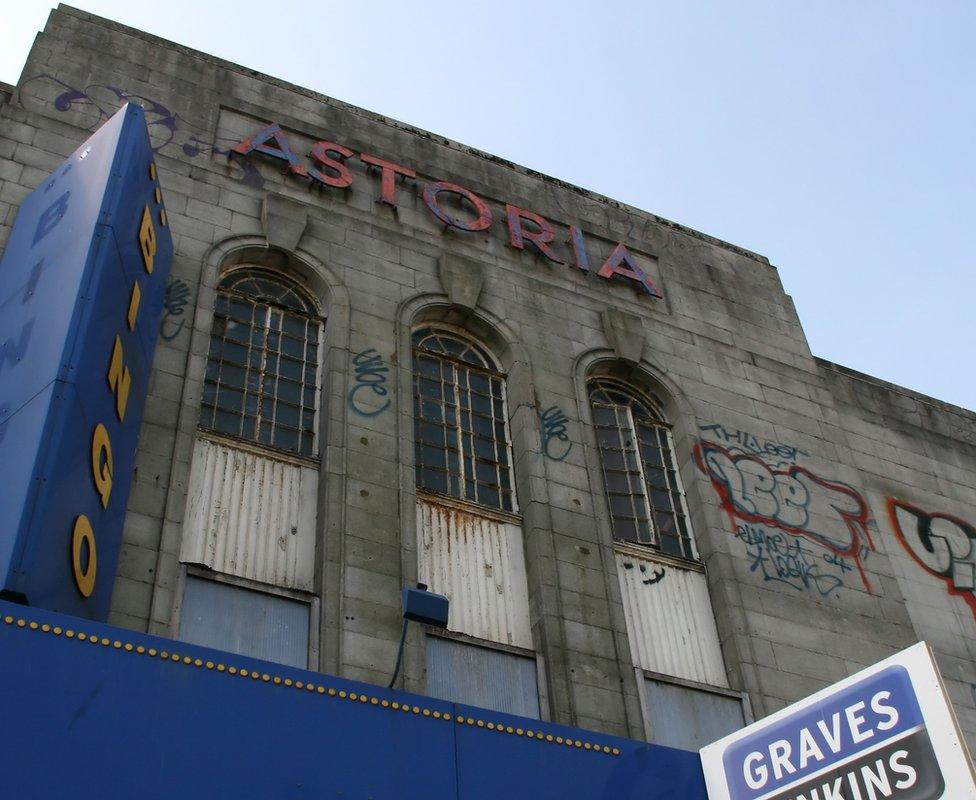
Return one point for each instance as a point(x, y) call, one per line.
point(642, 489)
point(263, 366)
point(462, 445)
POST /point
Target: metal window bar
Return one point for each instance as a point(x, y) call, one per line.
point(654, 511)
point(262, 369)
point(457, 388)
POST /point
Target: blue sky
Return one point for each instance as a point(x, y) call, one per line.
point(835, 138)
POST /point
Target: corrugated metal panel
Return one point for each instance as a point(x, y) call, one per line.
point(480, 676)
point(250, 516)
point(241, 621)
point(669, 620)
point(479, 564)
point(687, 718)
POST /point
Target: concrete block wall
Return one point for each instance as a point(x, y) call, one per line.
point(918, 459)
point(778, 454)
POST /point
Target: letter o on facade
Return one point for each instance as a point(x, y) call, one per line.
point(84, 574)
point(481, 223)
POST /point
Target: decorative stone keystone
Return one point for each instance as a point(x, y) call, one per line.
point(625, 333)
point(284, 221)
point(462, 279)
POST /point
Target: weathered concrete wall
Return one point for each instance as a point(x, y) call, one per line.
point(785, 501)
point(917, 457)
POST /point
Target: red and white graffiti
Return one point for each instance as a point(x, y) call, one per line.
point(793, 500)
point(939, 543)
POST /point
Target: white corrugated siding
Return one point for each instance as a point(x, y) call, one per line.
point(251, 516)
point(480, 565)
point(669, 620)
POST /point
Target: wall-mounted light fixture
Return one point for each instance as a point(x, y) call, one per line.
point(421, 606)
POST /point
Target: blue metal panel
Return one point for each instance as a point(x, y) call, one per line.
point(244, 621)
point(688, 718)
point(468, 673)
point(493, 763)
point(66, 283)
point(114, 717)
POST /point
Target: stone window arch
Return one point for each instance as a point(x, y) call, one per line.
point(262, 372)
point(640, 474)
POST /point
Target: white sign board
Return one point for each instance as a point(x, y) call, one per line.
point(886, 732)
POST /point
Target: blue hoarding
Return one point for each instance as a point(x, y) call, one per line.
point(81, 290)
point(97, 711)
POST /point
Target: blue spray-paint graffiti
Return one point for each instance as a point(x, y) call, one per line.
point(784, 559)
point(98, 101)
point(174, 303)
point(753, 444)
point(370, 376)
point(554, 430)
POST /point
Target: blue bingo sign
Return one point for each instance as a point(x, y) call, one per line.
point(886, 733)
point(81, 290)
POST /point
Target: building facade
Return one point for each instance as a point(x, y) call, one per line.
point(386, 358)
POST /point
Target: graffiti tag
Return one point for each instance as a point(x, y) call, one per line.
point(554, 430)
point(753, 444)
point(783, 558)
point(370, 377)
point(793, 500)
point(656, 576)
point(174, 303)
point(941, 544)
point(98, 101)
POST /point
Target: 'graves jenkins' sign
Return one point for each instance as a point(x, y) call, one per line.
point(886, 732)
point(81, 291)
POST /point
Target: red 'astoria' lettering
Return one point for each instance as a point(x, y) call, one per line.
point(329, 156)
point(621, 262)
point(517, 235)
point(481, 223)
point(321, 154)
point(272, 141)
point(579, 248)
point(388, 172)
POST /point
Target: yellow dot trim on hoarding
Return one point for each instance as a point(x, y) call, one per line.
point(311, 688)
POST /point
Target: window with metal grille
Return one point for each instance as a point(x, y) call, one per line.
point(461, 442)
point(262, 367)
point(637, 456)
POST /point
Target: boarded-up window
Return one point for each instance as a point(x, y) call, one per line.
point(242, 621)
point(689, 718)
point(482, 676)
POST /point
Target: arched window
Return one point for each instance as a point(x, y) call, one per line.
point(462, 446)
point(261, 377)
point(637, 456)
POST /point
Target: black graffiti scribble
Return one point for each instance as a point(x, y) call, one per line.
point(656, 576)
point(370, 376)
point(174, 303)
point(554, 423)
